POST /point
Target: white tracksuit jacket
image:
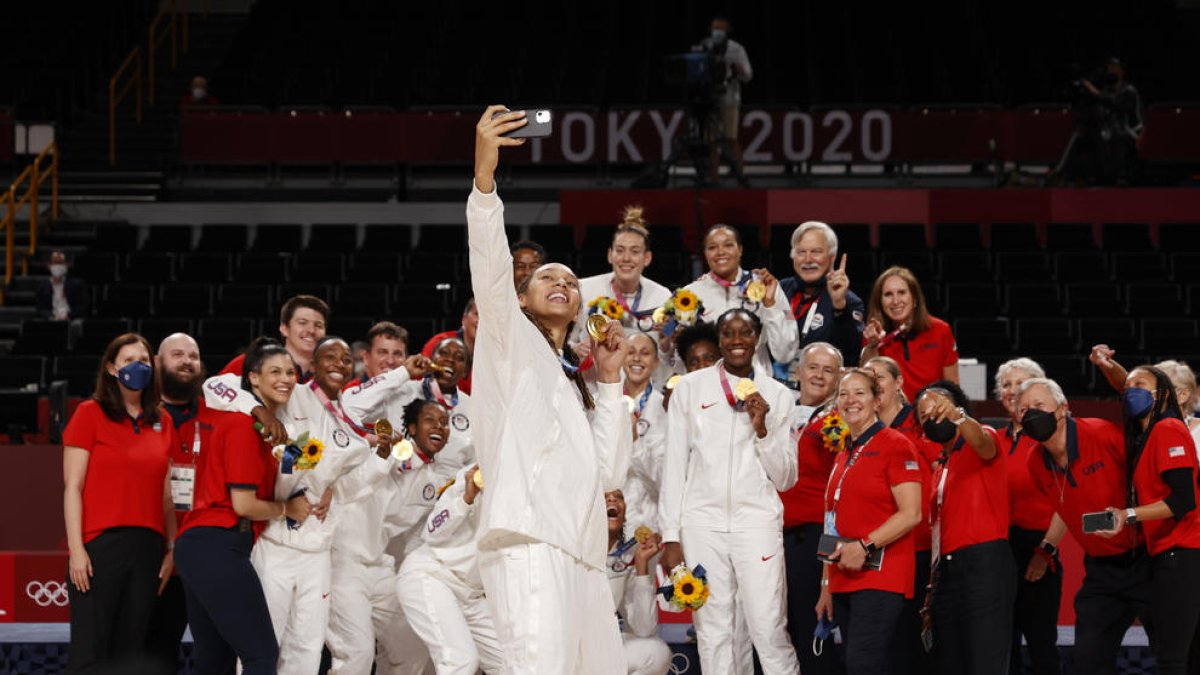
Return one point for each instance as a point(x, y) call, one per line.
point(645, 469)
point(717, 474)
point(547, 462)
point(780, 336)
point(654, 295)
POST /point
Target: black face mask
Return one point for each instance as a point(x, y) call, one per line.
point(939, 432)
point(1039, 425)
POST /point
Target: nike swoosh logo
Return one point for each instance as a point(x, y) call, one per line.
point(706, 406)
point(765, 558)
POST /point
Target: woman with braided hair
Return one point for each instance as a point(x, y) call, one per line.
point(547, 451)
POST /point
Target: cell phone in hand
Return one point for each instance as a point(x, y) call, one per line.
point(539, 125)
point(1100, 520)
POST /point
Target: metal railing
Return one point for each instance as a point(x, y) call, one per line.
point(34, 175)
point(115, 97)
point(155, 37)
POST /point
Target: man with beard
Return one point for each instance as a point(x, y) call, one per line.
point(182, 374)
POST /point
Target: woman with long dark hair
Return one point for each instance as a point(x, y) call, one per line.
point(900, 325)
point(120, 517)
point(547, 450)
point(1163, 465)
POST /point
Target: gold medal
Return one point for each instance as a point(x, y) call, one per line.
point(597, 327)
point(674, 380)
point(403, 450)
point(477, 479)
point(437, 368)
point(744, 389)
point(756, 291)
point(383, 427)
point(642, 534)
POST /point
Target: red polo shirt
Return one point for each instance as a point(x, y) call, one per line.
point(127, 468)
point(193, 433)
point(805, 502)
point(886, 460)
point(1170, 446)
point(1027, 506)
point(974, 506)
point(923, 356)
point(1094, 479)
point(927, 455)
point(235, 458)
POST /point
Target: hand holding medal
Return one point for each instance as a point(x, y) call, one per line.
point(474, 484)
point(761, 287)
point(418, 365)
point(753, 403)
point(383, 437)
point(610, 347)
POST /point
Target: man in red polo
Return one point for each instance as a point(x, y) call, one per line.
point(1080, 468)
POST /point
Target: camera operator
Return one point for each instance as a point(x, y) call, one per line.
point(731, 69)
point(1103, 147)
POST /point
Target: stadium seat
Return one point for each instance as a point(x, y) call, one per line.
point(970, 300)
point(39, 336)
point(1062, 237)
point(448, 238)
point(115, 238)
point(983, 337)
point(270, 238)
point(852, 237)
point(79, 372)
point(245, 300)
point(1080, 267)
point(432, 266)
point(1119, 333)
point(95, 267)
point(149, 268)
point(168, 239)
point(1185, 266)
point(285, 291)
point(213, 268)
point(902, 237)
point(1126, 237)
point(1138, 267)
point(1032, 300)
point(154, 330)
point(372, 300)
point(127, 301)
point(263, 268)
point(371, 266)
point(17, 372)
point(561, 238)
point(96, 333)
point(1072, 373)
point(1154, 300)
point(337, 238)
point(1094, 300)
point(351, 328)
point(225, 335)
point(956, 267)
point(1022, 266)
point(185, 300)
point(318, 267)
point(1174, 237)
point(1041, 336)
point(423, 300)
point(919, 262)
point(387, 238)
point(1166, 338)
point(1013, 237)
point(222, 239)
point(958, 237)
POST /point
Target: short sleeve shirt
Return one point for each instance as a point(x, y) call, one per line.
point(923, 356)
point(236, 458)
point(1170, 446)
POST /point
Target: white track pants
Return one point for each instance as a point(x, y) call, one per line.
point(363, 609)
point(553, 614)
point(450, 616)
point(646, 656)
point(296, 585)
point(746, 568)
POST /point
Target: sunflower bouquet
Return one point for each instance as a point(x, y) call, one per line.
point(302, 454)
point(834, 432)
point(686, 589)
point(681, 309)
point(607, 307)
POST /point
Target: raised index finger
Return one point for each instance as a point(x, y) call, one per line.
point(842, 264)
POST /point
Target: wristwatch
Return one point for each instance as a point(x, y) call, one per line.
point(868, 545)
point(962, 417)
point(1130, 515)
point(1049, 548)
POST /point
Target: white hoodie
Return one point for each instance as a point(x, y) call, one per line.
point(344, 453)
point(450, 532)
point(633, 595)
point(717, 474)
point(548, 458)
point(779, 333)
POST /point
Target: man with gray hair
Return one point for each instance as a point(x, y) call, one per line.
point(1079, 467)
point(825, 308)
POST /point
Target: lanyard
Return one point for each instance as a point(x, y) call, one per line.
point(620, 297)
point(809, 309)
point(623, 548)
point(337, 412)
point(740, 283)
point(434, 391)
point(572, 369)
point(858, 446)
point(941, 487)
point(196, 438)
point(1016, 438)
point(641, 403)
point(733, 402)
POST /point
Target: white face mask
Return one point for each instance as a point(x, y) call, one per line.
point(58, 271)
point(199, 93)
point(718, 35)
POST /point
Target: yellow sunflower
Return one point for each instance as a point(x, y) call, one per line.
point(613, 309)
point(689, 589)
point(834, 432)
point(310, 454)
point(685, 300)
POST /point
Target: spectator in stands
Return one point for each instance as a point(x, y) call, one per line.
point(235, 500)
point(638, 296)
point(1034, 548)
point(1103, 148)
point(727, 286)
point(358, 352)
point(974, 580)
point(465, 333)
point(527, 256)
point(825, 308)
point(387, 348)
point(1163, 481)
point(873, 501)
point(1079, 467)
point(1180, 373)
point(721, 130)
point(182, 374)
point(302, 322)
point(120, 518)
point(738, 442)
point(198, 94)
point(896, 412)
point(803, 508)
point(61, 297)
point(901, 327)
point(631, 578)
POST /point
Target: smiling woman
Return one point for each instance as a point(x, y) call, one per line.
point(900, 326)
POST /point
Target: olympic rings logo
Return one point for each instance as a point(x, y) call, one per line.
point(680, 663)
point(48, 593)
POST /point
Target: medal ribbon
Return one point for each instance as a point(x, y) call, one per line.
point(733, 402)
point(336, 411)
point(641, 404)
point(740, 283)
point(433, 391)
point(620, 298)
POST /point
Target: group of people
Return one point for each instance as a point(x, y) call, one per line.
point(510, 497)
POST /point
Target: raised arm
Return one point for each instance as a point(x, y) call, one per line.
point(783, 335)
point(776, 452)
